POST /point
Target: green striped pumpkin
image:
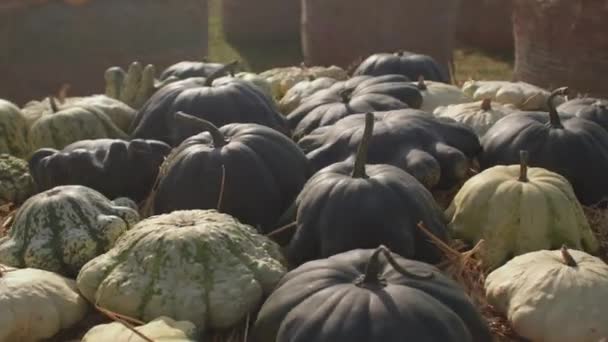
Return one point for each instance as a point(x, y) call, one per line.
point(16, 183)
point(61, 229)
point(13, 131)
point(200, 266)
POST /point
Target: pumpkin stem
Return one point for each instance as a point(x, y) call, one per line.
point(373, 268)
point(486, 104)
point(421, 85)
point(203, 126)
point(361, 157)
point(554, 119)
point(399, 53)
point(523, 166)
point(228, 68)
point(568, 259)
point(53, 104)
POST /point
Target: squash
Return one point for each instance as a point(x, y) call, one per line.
point(589, 108)
point(197, 265)
point(246, 170)
point(349, 205)
point(59, 230)
point(16, 183)
point(115, 168)
point(220, 101)
point(357, 95)
point(358, 296)
point(437, 152)
point(553, 295)
point(303, 89)
point(522, 95)
point(516, 210)
point(575, 148)
point(14, 131)
point(438, 94)
point(135, 86)
point(409, 64)
point(284, 78)
point(160, 329)
point(37, 304)
point(187, 69)
point(121, 114)
point(480, 115)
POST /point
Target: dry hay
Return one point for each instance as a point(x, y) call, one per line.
point(7, 214)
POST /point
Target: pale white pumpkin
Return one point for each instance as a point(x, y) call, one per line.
point(553, 295)
point(479, 115)
point(37, 304)
point(196, 265)
point(517, 210)
point(161, 329)
point(439, 94)
point(294, 96)
point(284, 78)
point(60, 229)
point(260, 82)
point(14, 131)
point(522, 95)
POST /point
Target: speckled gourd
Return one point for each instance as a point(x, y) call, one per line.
point(197, 265)
point(14, 131)
point(61, 229)
point(517, 210)
point(16, 182)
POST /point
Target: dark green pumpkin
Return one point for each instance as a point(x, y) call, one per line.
point(249, 171)
point(358, 296)
point(187, 69)
point(405, 63)
point(588, 108)
point(115, 168)
point(349, 205)
point(219, 101)
point(357, 95)
point(573, 147)
point(436, 151)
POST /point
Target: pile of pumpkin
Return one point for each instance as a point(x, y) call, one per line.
point(304, 200)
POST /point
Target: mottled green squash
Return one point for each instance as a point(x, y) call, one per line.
point(162, 329)
point(196, 265)
point(517, 210)
point(16, 182)
point(14, 135)
point(61, 229)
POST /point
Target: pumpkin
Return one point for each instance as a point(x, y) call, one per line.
point(121, 114)
point(438, 94)
point(479, 115)
point(257, 80)
point(14, 131)
point(522, 95)
point(350, 205)
point(303, 89)
point(516, 210)
point(589, 108)
point(358, 296)
point(356, 95)
point(565, 145)
point(411, 65)
point(115, 168)
point(59, 230)
point(284, 78)
point(188, 69)
point(220, 101)
point(543, 290)
point(160, 329)
point(437, 152)
point(196, 265)
point(246, 170)
point(16, 183)
point(37, 304)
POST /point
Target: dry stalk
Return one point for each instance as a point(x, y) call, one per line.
point(598, 220)
point(124, 320)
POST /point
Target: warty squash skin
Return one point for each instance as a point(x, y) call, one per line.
point(162, 329)
point(516, 210)
point(14, 131)
point(479, 115)
point(411, 65)
point(16, 182)
point(61, 229)
point(359, 296)
point(198, 265)
point(350, 205)
point(575, 148)
point(553, 295)
point(246, 170)
point(284, 78)
point(36, 304)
